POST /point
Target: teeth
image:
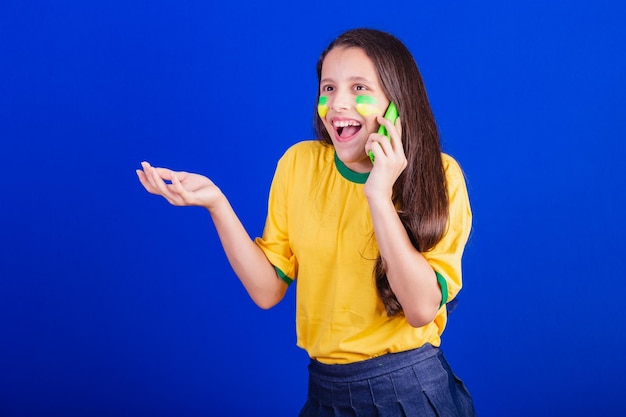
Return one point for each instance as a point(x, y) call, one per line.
point(344, 123)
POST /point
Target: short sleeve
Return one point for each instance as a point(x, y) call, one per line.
point(275, 239)
point(445, 256)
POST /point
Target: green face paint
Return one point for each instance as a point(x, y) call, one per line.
point(366, 105)
point(322, 106)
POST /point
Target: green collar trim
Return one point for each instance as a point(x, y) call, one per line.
point(347, 173)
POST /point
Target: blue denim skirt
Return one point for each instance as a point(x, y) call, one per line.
point(417, 382)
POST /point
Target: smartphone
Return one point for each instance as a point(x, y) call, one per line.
point(390, 114)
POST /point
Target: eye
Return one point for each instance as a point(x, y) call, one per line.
point(327, 88)
point(360, 87)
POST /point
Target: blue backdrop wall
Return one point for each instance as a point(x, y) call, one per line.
point(113, 302)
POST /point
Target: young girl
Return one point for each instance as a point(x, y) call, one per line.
point(372, 228)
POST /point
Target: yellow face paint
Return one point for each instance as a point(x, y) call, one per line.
point(322, 106)
point(366, 105)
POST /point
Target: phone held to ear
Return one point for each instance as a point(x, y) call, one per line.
point(391, 114)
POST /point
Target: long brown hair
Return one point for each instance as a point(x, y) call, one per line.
point(420, 193)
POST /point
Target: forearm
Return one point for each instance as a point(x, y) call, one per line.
point(410, 276)
point(247, 260)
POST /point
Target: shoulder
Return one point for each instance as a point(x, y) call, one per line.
point(303, 165)
point(451, 166)
point(455, 177)
point(454, 173)
point(306, 153)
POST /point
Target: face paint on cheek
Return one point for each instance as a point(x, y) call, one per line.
point(322, 106)
point(366, 105)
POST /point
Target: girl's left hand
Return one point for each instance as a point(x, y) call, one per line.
point(389, 159)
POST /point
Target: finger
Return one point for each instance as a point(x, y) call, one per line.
point(179, 189)
point(156, 177)
point(147, 169)
point(398, 126)
point(394, 130)
point(167, 174)
point(144, 181)
point(152, 179)
point(177, 194)
point(374, 146)
point(385, 122)
point(380, 141)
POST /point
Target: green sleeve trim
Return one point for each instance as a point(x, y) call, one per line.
point(283, 276)
point(444, 288)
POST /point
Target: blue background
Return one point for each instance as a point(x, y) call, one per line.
point(113, 302)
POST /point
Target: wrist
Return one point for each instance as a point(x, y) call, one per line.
point(218, 203)
point(380, 202)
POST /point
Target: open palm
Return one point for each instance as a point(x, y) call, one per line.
point(178, 187)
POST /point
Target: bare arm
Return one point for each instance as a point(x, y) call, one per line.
point(410, 276)
point(247, 260)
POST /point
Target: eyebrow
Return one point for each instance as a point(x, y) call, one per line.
point(352, 79)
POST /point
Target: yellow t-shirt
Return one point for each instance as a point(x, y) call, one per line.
point(319, 231)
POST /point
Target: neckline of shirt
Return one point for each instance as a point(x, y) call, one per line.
point(347, 173)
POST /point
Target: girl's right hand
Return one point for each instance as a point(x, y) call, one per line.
point(183, 189)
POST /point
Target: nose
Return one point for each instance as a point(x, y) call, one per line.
point(341, 101)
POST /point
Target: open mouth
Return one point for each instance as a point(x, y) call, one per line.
point(346, 128)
